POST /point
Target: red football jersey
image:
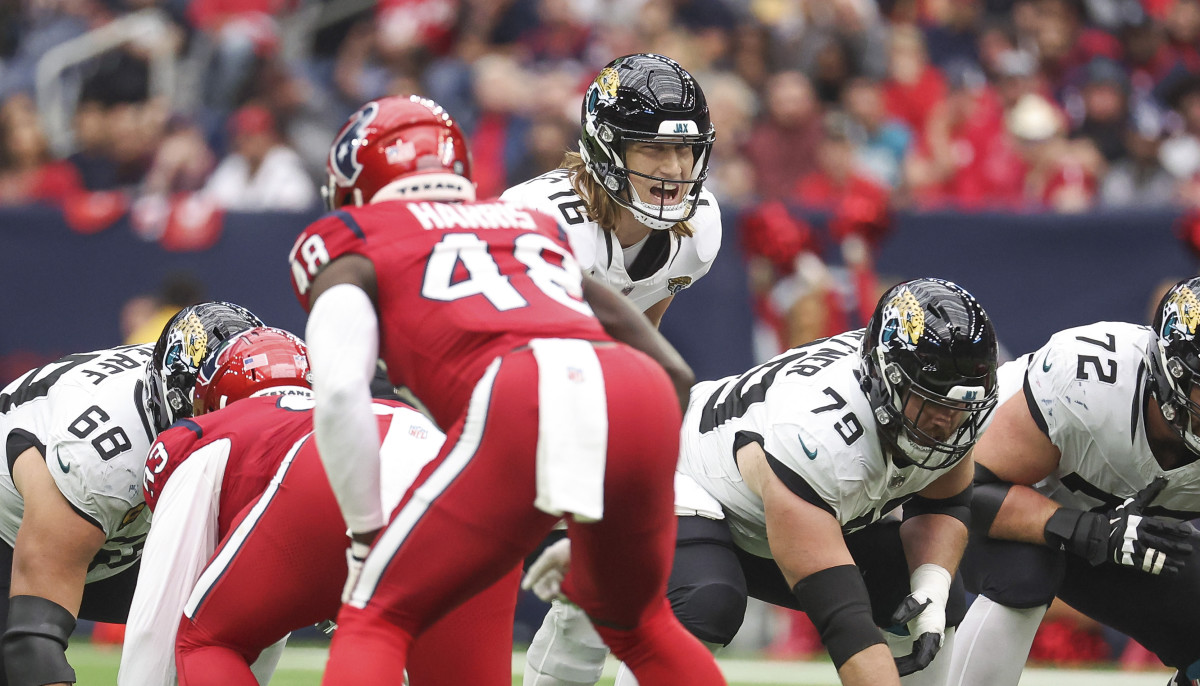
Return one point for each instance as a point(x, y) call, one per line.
point(458, 284)
point(260, 434)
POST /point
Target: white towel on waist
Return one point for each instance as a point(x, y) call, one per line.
point(572, 428)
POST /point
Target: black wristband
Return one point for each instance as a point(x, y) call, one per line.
point(1061, 527)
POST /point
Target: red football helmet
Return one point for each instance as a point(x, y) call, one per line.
point(398, 147)
point(261, 361)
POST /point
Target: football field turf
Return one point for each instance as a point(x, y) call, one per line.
point(302, 665)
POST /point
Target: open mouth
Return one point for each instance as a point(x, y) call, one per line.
point(667, 193)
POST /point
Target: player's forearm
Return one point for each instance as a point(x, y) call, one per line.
point(934, 539)
point(343, 341)
point(1023, 516)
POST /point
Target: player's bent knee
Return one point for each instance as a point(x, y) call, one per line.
point(35, 642)
point(712, 612)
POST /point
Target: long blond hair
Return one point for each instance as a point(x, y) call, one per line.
point(601, 208)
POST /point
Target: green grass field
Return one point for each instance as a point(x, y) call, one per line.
point(302, 665)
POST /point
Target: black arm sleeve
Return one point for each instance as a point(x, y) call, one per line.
point(989, 495)
point(957, 506)
point(35, 643)
point(836, 601)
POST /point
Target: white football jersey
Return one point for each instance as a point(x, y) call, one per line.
point(679, 263)
point(1086, 389)
point(84, 413)
point(808, 411)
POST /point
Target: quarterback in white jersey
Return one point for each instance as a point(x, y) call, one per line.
point(72, 516)
point(1083, 483)
point(632, 200)
point(805, 456)
point(662, 262)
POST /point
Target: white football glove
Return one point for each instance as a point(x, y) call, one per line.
point(924, 613)
point(545, 575)
point(356, 554)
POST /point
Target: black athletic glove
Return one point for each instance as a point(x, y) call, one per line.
point(1124, 536)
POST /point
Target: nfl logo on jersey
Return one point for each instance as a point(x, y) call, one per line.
point(417, 431)
point(575, 374)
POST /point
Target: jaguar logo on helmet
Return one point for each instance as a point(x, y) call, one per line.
point(189, 342)
point(343, 156)
point(1182, 314)
point(903, 320)
point(608, 81)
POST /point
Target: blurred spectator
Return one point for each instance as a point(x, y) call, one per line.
point(557, 34)
point(1180, 154)
point(183, 161)
point(881, 143)
point(913, 86)
point(27, 172)
point(1064, 44)
point(733, 106)
point(953, 36)
point(783, 146)
point(262, 172)
point(965, 158)
point(837, 175)
point(1140, 180)
point(1104, 100)
point(31, 29)
point(499, 126)
point(118, 127)
point(1016, 75)
point(1182, 29)
point(241, 34)
point(545, 140)
point(1062, 174)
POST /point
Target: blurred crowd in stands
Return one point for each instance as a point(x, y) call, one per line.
point(1062, 105)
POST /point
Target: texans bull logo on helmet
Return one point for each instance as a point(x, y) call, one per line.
point(343, 155)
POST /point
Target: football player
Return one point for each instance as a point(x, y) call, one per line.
point(802, 459)
point(483, 312)
point(72, 517)
point(1083, 481)
point(632, 199)
point(634, 206)
point(244, 517)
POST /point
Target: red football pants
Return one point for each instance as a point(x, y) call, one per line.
point(288, 573)
point(471, 520)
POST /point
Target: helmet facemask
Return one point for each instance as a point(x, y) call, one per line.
point(930, 428)
point(614, 173)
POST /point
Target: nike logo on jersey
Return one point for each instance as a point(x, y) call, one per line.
point(65, 467)
point(1046, 366)
point(812, 454)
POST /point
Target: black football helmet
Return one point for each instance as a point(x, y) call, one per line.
point(930, 349)
point(1175, 359)
point(650, 98)
point(189, 337)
